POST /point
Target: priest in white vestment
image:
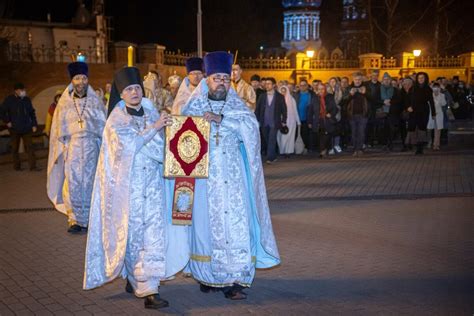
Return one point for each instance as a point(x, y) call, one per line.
point(130, 230)
point(194, 69)
point(74, 143)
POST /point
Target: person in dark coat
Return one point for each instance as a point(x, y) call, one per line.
point(322, 118)
point(376, 117)
point(305, 99)
point(393, 108)
point(406, 93)
point(19, 115)
point(255, 83)
point(271, 115)
point(421, 103)
point(357, 113)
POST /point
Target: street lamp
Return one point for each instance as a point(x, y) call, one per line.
point(417, 52)
point(310, 53)
point(81, 58)
point(199, 29)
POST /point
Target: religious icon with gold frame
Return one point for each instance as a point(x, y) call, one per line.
point(187, 147)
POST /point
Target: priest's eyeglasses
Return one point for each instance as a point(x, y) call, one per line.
point(219, 79)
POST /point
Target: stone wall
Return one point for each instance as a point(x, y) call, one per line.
point(43, 79)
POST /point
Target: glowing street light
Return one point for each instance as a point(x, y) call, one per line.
point(417, 52)
point(81, 58)
point(310, 53)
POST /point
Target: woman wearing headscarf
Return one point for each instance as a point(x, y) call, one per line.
point(286, 142)
point(421, 106)
point(436, 121)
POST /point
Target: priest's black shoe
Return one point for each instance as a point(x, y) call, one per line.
point(234, 292)
point(74, 229)
point(206, 289)
point(155, 302)
point(128, 287)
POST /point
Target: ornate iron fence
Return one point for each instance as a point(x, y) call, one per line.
point(333, 63)
point(98, 55)
point(176, 58)
point(389, 63)
point(265, 63)
point(60, 54)
point(438, 62)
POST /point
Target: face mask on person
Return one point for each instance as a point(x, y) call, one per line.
point(22, 94)
point(436, 90)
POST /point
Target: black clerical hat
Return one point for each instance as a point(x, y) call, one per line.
point(123, 78)
point(78, 68)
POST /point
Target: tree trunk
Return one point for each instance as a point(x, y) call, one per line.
point(371, 26)
point(388, 49)
point(391, 7)
point(436, 28)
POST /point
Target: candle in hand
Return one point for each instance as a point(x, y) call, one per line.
point(130, 56)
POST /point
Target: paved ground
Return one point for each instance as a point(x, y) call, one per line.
point(374, 176)
point(377, 235)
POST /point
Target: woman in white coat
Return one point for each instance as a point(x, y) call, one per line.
point(286, 142)
point(436, 122)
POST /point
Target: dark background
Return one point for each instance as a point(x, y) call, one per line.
point(246, 24)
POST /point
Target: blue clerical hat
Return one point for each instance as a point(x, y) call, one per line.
point(218, 62)
point(78, 68)
point(194, 63)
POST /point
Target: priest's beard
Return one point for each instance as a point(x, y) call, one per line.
point(80, 89)
point(219, 94)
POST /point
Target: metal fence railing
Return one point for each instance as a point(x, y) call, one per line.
point(59, 54)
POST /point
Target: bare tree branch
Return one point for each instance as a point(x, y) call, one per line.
point(458, 41)
point(445, 5)
point(412, 26)
point(380, 28)
point(451, 34)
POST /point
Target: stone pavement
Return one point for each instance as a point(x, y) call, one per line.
point(374, 176)
point(383, 234)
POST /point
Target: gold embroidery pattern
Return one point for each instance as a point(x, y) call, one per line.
point(189, 146)
point(201, 258)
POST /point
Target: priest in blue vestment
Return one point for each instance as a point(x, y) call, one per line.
point(231, 233)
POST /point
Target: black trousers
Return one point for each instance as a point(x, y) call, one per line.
point(27, 142)
point(394, 126)
point(324, 140)
point(306, 135)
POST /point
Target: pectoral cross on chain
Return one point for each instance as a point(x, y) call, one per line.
point(80, 123)
point(216, 136)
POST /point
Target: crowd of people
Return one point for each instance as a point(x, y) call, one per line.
point(353, 114)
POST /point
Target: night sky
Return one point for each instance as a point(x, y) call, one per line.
point(243, 24)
